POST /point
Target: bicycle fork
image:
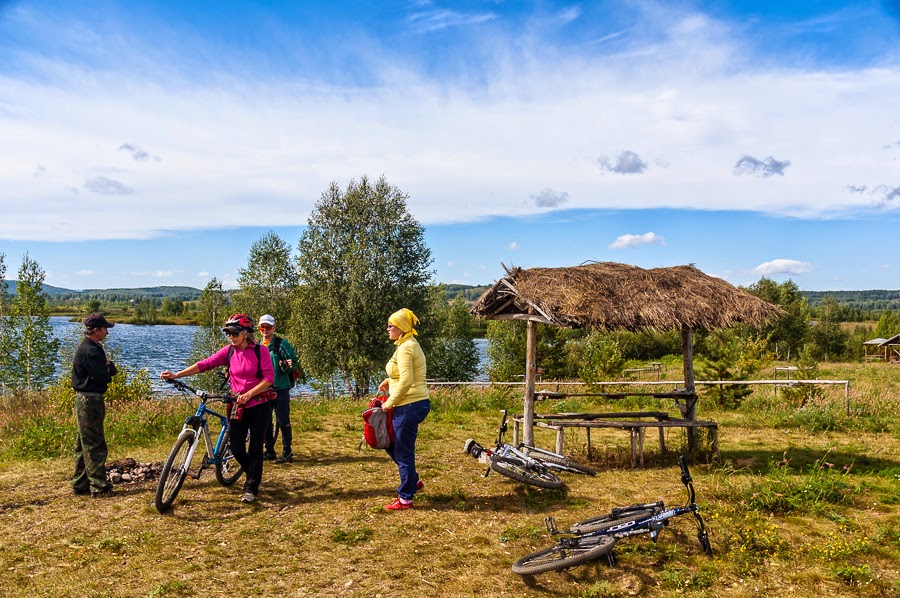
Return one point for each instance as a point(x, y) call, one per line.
point(198, 437)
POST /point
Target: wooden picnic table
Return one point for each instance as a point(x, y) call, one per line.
point(635, 422)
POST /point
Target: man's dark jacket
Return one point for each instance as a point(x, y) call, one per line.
point(90, 370)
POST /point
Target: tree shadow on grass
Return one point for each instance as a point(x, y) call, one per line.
point(753, 461)
point(598, 571)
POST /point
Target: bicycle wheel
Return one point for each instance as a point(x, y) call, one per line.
point(559, 557)
point(174, 471)
point(564, 462)
point(517, 470)
point(228, 470)
point(607, 521)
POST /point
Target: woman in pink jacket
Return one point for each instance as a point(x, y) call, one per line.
point(250, 375)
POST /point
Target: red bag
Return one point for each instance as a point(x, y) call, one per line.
point(378, 432)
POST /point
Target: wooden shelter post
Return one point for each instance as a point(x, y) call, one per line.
point(690, 406)
point(687, 351)
point(530, 374)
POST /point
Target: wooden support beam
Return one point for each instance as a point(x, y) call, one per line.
point(530, 372)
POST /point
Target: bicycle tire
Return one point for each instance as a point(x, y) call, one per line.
point(517, 470)
point(564, 462)
point(607, 521)
point(559, 557)
point(228, 470)
point(174, 471)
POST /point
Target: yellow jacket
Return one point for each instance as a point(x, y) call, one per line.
point(406, 374)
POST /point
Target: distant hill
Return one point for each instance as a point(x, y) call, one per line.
point(183, 293)
point(50, 290)
point(877, 300)
point(872, 300)
point(468, 292)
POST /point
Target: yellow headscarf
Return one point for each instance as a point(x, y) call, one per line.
point(405, 320)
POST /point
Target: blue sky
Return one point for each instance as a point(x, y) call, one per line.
point(152, 143)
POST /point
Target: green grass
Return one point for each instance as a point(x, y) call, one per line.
point(794, 508)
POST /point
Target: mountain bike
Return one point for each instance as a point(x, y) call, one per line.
point(196, 426)
point(593, 538)
point(524, 463)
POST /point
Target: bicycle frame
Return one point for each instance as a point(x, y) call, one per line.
point(505, 450)
point(652, 523)
point(200, 421)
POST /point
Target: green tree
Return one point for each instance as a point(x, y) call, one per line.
point(92, 306)
point(726, 356)
point(786, 333)
point(362, 257)
point(145, 311)
point(450, 349)
point(829, 342)
point(506, 351)
point(33, 350)
point(268, 283)
point(888, 324)
point(600, 357)
point(5, 340)
point(214, 309)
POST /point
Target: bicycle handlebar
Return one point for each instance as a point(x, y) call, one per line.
point(685, 474)
point(226, 398)
point(686, 478)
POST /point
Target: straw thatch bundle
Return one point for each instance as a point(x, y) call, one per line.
point(621, 297)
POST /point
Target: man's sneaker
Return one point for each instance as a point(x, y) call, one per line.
point(269, 456)
point(81, 491)
point(398, 505)
point(420, 485)
point(248, 497)
point(108, 491)
point(285, 458)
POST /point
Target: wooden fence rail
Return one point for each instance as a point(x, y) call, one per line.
point(673, 383)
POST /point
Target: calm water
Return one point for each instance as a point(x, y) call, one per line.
point(158, 348)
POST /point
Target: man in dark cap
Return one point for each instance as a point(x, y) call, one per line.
point(91, 374)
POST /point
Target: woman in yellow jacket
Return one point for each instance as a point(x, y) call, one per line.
point(408, 402)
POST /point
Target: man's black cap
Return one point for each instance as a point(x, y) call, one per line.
point(97, 321)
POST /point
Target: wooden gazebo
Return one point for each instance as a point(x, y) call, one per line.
point(614, 296)
point(885, 349)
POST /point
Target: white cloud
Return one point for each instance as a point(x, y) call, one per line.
point(450, 263)
point(782, 266)
point(626, 241)
point(202, 274)
point(548, 198)
point(885, 267)
point(688, 96)
point(85, 273)
point(162, 274)
point(625, 162)
point(762, 168)
point(514, 245)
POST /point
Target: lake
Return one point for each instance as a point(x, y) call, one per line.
point(158, 348)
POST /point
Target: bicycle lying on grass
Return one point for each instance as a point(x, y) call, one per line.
point(525, 463)
point(591, 539)
point(178, 464)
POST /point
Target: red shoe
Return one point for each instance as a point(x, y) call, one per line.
point(398, 505)
point(419, 485)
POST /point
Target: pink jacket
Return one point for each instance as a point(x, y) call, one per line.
point(243, 368)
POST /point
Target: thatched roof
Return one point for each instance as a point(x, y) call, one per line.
point(621, 297)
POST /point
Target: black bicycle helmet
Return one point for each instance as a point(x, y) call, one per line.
point(237, 323)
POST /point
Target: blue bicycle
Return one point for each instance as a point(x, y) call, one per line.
point(178, 464)
point(591, 539)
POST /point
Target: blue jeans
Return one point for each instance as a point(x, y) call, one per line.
point(406, 420)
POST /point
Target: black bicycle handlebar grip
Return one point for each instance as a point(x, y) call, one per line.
point(685, 474)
